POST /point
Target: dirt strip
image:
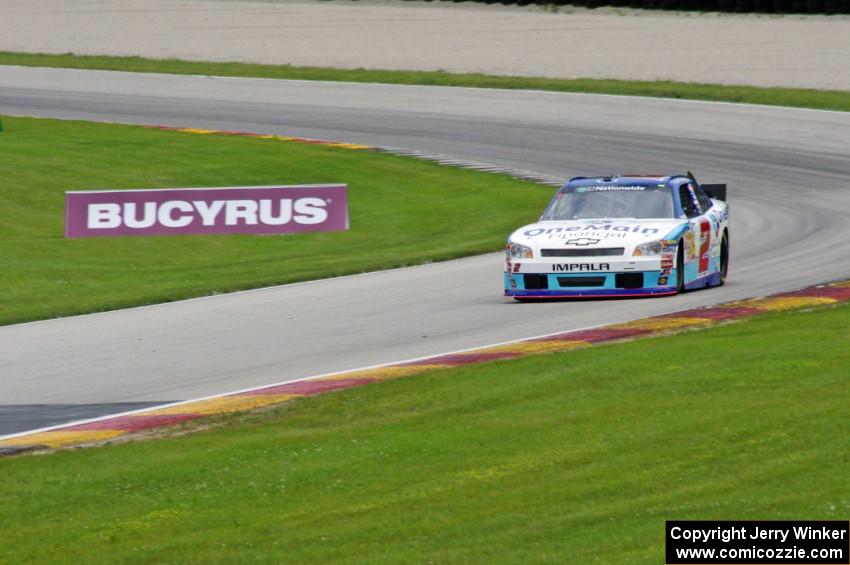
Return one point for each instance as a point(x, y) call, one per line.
point(794, 51)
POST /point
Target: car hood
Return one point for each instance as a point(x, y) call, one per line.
point(588, 234)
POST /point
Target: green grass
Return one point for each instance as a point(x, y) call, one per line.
point(403, 211)
point(797, 97)
point(567, 458)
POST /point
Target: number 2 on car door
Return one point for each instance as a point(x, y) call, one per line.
point(705, 246)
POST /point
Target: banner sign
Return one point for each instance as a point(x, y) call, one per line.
point(229, 210)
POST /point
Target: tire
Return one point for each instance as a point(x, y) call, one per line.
point(680, 267)
point(724, 258)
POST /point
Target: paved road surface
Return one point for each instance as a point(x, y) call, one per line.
point(788, 189)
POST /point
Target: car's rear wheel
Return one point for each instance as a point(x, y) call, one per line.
point(680, 267)
point(724, 257)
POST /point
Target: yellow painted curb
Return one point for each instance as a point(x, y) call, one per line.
point(223, 405)
point(785, 302)
point(62, 438)
point(197, 130)
point(536, 347)
point(381, 373)
point(657, 324)
point(341, 144)
point(349, 145)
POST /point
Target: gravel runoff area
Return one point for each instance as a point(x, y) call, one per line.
point(792, 51)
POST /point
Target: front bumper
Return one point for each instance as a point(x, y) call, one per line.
point(595, 285)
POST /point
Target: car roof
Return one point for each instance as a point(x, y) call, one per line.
point(624, 180)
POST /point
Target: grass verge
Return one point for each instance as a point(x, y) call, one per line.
point(795, 97)
point(403, 211)
point(562, 458)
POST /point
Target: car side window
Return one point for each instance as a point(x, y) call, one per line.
point(688, 201)
point(703, 199)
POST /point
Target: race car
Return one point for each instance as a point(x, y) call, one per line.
point(622, 235)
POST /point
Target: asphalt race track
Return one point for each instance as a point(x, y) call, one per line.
point(789, 196)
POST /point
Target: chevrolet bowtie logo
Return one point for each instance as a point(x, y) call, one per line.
point(583, 241)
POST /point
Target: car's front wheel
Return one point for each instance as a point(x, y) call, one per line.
point(680, 267)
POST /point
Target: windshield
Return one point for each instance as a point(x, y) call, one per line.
point(594, 202)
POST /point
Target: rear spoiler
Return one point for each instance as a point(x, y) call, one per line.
point(716, 191)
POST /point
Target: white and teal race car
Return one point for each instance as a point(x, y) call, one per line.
point(622, 236)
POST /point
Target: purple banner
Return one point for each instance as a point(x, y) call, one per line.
point(184, 211)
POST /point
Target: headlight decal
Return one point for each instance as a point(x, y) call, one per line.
point(518, 251)
point(649, 248)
